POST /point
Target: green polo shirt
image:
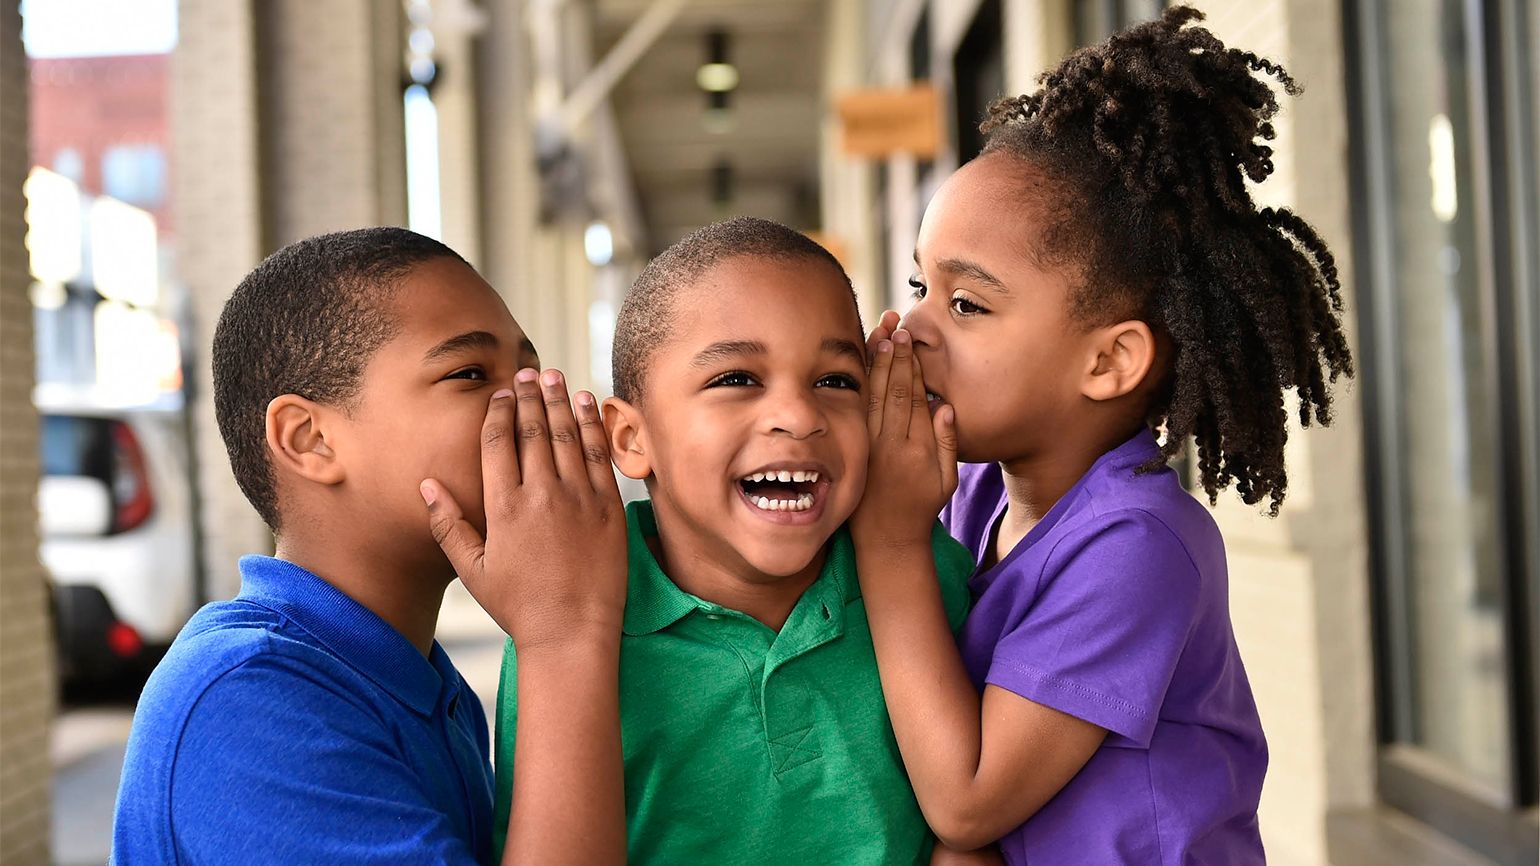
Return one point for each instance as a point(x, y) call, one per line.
point(743, 745)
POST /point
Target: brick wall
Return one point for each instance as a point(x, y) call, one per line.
point(214, 127)
point(26, 668)
point(286, 122)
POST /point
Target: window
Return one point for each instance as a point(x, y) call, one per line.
point(1443, 106)
point(1095, 20)
point(135, 173)
point(979, 73)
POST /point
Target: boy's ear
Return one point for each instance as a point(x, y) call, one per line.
point(296, 439)
point(624, 424)
point(1122, 356)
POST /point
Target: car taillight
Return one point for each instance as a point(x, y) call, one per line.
point(123, 640)
point(133, 502)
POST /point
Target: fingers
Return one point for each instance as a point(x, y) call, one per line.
point(877, 387)
point(895, 418)
point(565, 444)
point(919, 406)
point(532, 429)
point(460, 541)
point(596, 446)
point(499, 455)
point(884, 331)
point(945, 425)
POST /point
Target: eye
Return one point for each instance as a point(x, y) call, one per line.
point(839, 380)
point(734, 379)
point(964, 307)
point(473, 374)
point(919, 288)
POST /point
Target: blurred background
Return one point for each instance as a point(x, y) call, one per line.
point(152, 152)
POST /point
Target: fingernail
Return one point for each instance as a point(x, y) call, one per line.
point(884, 346)
point(525, 375)
point(551, 377)
point(900, 336)
point(426, 490)
point(585, 399)
point(505, 392)
point(947, 415)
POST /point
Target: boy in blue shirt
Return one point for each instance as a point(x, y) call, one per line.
point(313, 718)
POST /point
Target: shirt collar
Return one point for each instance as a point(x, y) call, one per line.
point(351, 631)
point(654, 602)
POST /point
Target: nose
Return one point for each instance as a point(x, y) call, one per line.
point(920, 321)
point(795, 413)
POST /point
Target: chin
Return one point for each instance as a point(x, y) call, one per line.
point(781, 561)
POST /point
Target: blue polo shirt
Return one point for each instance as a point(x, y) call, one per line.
point(293, 725)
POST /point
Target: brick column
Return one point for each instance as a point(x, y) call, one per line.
point(287, 122)
point(26, 657)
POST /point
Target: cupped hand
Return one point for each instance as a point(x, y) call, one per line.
point(552, 566)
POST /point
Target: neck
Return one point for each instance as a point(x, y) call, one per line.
point(407, 598)
point(1034, 483)
point(727, 580)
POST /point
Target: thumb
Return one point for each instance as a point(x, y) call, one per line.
point(945, 425)
point(454, 534)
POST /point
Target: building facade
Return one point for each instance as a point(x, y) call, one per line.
point(1388, 617)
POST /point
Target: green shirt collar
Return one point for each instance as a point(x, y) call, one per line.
point(654, 602)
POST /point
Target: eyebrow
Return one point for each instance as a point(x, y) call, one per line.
point(727, 349)
point(972, 270)
point(461, 343)
point(840, 346)
point(738, 348)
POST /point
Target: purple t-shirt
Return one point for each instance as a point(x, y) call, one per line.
point(1115, 609)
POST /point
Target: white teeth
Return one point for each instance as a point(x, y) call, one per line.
point(812, 476)
point(757, 476)
point(798, 476)
point(801, 503)
point(783, 476)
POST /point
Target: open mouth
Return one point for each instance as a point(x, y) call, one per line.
point(784, 490)
point(934, 400)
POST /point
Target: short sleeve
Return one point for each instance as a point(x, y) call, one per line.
point(317, 778)
point(503, 746)
point(954, 565)
point(1103, 635)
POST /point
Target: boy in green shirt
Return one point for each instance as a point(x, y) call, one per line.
point(752, 718)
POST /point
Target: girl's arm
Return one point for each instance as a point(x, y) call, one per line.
point(979, 770)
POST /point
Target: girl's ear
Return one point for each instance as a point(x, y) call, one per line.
point(296, 440)
point(1122, 357)
point(627, 430)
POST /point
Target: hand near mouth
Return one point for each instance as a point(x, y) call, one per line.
point(912, 470)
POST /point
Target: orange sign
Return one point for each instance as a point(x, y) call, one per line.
point(880, 122)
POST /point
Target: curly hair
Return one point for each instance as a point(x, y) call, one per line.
point(1149, 139)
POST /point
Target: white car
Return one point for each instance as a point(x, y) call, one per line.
point(115, 504)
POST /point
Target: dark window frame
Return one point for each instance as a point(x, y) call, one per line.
point(1502, 828)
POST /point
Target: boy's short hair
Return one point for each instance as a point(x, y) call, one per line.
point(306, 321)
point(646, 316)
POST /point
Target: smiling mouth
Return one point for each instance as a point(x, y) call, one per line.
point(784, 491)
point(933, 399)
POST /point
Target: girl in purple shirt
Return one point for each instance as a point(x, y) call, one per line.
point(1098, 273)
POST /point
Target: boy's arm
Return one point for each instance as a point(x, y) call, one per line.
point(552, 573)
point(978, 770)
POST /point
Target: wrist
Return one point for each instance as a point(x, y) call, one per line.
point(587, 639)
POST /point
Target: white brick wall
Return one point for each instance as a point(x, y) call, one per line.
point(286, 123)
point(26, 659)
